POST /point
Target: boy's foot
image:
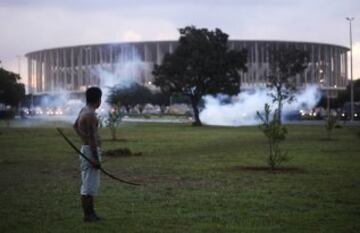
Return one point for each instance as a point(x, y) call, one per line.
point(91, 218)
point(97, 216)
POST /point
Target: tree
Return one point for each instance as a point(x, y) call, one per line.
point(275, 133)
point(330, 124)
point(11, 92)
point(161, 99)
point(202, 64)
point(129, 97)
point(285, 63)
point(113, 120)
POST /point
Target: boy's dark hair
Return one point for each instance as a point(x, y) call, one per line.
point(93, 94)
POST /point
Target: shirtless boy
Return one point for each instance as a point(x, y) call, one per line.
point(86, 127)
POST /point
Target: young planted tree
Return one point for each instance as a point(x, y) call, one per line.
point(202, 64)
point(113, 120)
point(275, 133)
point(285, 63)
point(330, 123)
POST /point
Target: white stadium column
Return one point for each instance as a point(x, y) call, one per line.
point(38, 74)
point(256, 62)
point(307, 70)
point(80, 68)
point(65, 70)
point(332, 66)
point(29, 74)
point(46, 76)
point(346, 69)
point(111, 58)
point(52, 70)
point(158, 54)
point(57, 78)
point(312, 64)
point(42, 81)
point(72, 69)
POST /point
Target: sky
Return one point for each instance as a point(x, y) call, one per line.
point(30, 25)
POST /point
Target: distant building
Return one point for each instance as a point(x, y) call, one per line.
point(74, 68)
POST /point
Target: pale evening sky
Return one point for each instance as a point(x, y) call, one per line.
point(28, 25)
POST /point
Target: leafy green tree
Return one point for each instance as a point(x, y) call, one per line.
point(285, 63)
point(275, 133)
point(129, 97)
point(11, 92)
point(202, 64)
point(161, 99)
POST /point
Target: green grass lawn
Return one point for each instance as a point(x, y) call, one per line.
point(195, 180)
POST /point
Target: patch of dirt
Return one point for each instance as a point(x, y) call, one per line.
point(339, 151)
point(265, 169)
point(121, 152)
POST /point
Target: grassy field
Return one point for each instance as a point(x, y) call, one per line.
point(195, 180)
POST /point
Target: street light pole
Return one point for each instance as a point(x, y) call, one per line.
point(350, 19)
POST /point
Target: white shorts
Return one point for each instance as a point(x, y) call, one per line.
point(90, 176)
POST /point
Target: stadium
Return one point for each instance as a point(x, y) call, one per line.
point(72, 69)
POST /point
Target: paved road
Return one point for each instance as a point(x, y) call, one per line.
point(50, 120)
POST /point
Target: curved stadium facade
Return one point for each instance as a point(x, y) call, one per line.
point(74, 68)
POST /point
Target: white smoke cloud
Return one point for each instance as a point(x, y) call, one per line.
point(242, 109)
point(128, 69)
point(55, 100)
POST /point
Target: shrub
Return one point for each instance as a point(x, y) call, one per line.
point(7, 114)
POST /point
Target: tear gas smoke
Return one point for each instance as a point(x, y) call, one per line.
point(241, 109)
point(128, 69)
point(60, 107)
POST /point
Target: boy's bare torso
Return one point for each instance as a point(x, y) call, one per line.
point(86, 127)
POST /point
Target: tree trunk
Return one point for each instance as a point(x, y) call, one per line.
point(128, 108)
point(162, 109)
point(113, 133)
point(195, 107)
point(141, 108)
point(279, 110)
